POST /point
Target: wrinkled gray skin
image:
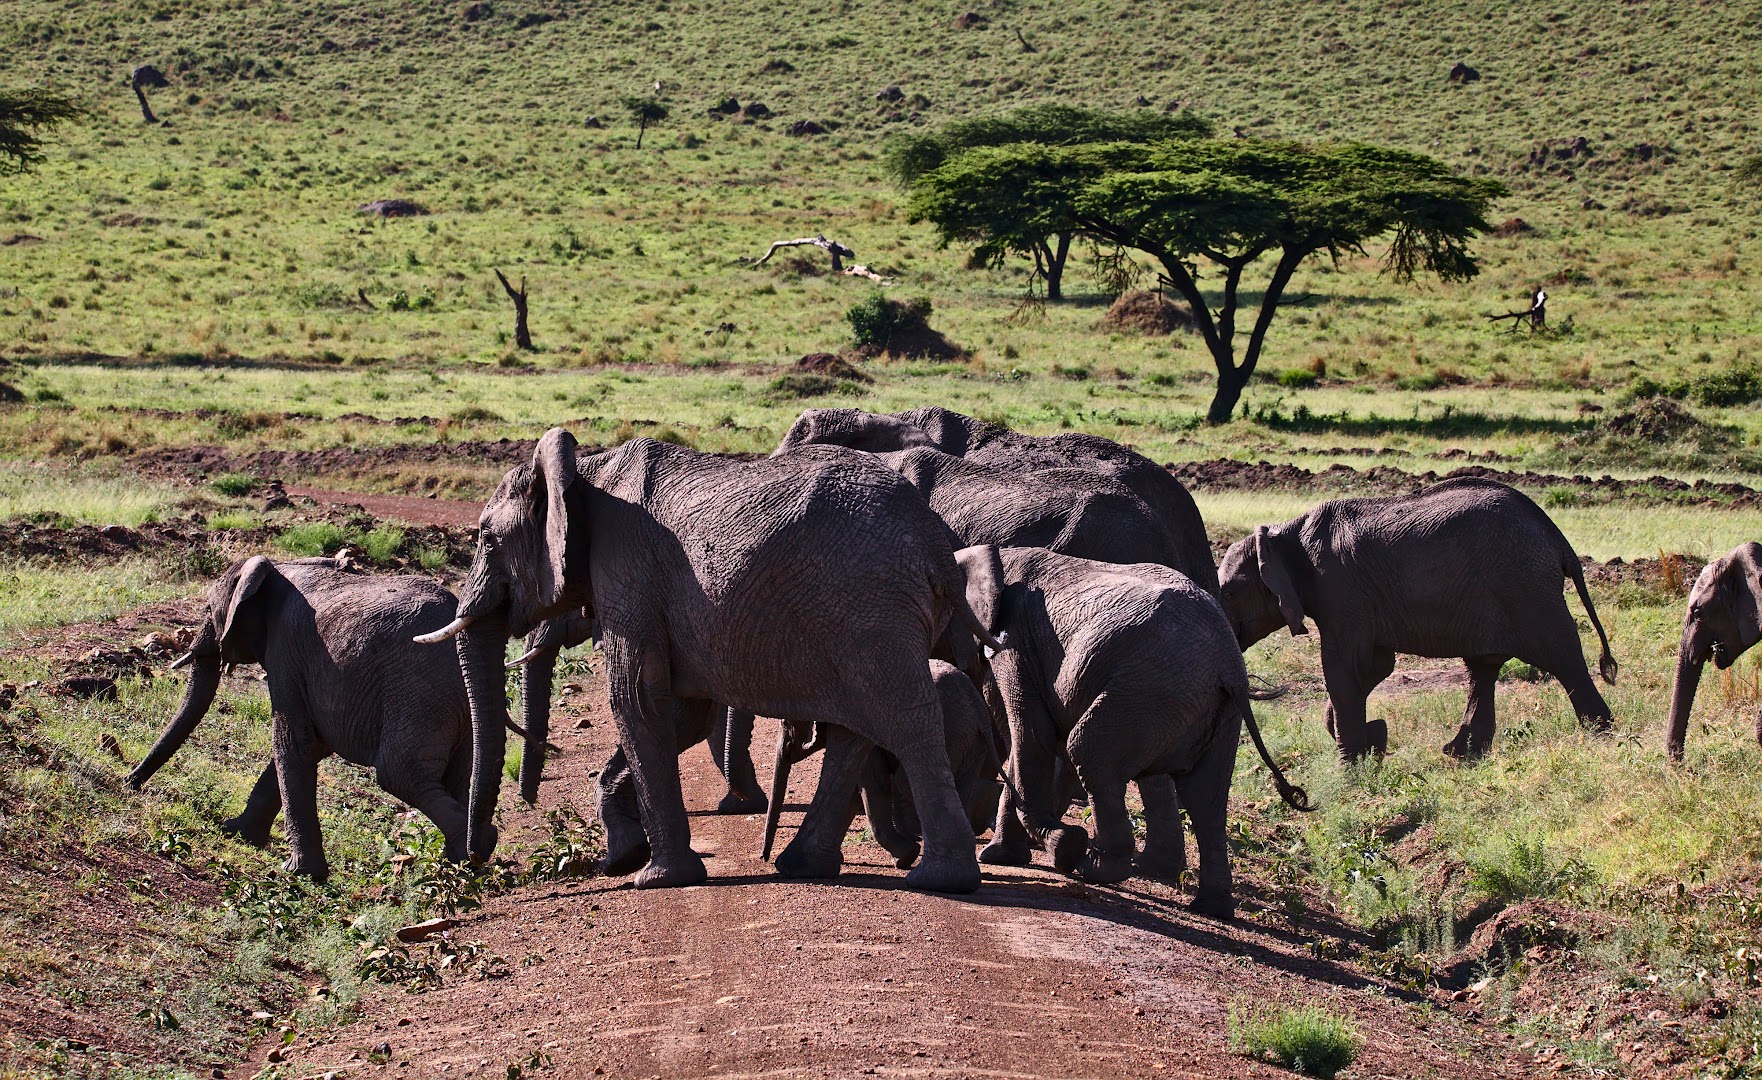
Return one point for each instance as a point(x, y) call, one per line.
point(343, 678)
point(807, 587)
point(730, 736)
point(1724, 618)
point(988, 444)
point(887, 795)
point(1467, 568)
point(1125, 672)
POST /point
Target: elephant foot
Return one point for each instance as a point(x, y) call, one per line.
point(798, 862)
point(1100, 868)
point(1163, 866)
point(1067, 844)
point(687, 869)
point(999, 853)
point(311, 866)
point(1602, 725)
point(1464, 747)
point(904, 855)
point(1215, 904)
point(1377, 733)
point(736, 803)
point(483, 843)
point(625, 858)
point(946, 873)
point(248, 831)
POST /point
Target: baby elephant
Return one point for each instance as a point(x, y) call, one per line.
point(1467, 568)
point(344, 678)
point(1723, 620)
point(1127, 672)
point(886, 797)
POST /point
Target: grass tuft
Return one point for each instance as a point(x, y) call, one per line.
point(1307, 1040)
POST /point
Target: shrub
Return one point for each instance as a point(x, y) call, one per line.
point(234, 485)
point(1298, 378)
point(899, 327)
point(229, 521)
point(1307, 1040)
point(381, 545)
point(1517, 868)
point(475, 413)
point(312, 539)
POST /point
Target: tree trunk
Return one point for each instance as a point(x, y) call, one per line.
point(481, 649)
point(198, 696)
point(522, 336)
point(1229, 391)
point(642, 126)
point(1055, 266)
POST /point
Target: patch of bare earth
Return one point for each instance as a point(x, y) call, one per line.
point(752, 974)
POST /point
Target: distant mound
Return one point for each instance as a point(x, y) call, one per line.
point(1144, 312)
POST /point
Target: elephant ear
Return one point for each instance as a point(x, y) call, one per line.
point(1744, 580)
point(241, 617)
point(1277, 578)
point(553, 466)
point(982, 566)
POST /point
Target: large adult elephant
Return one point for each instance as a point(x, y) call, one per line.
point(343, 678)
point(1467, 568)
point(810, 586)
point(967, 437)
point(1724, 618)
point(1126, 672)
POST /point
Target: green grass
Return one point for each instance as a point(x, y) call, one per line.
point(380, 544)
point(82, 496)
point(1307, 1040)
point(34, 597)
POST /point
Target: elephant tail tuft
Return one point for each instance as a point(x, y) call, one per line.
point(1295, 797)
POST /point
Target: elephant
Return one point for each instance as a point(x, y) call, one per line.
point(989, 444)
point(811, 586)
point(1124, 672)
point(1723, 620)
point(1466, 568)
point(886, 791)
point(730, 737)
point(343, 678)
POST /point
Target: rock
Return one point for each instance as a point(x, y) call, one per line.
point(90, 687)
point(756, 110)
point(806, 127)
point(890, 93)
point(1513, 227)
point(118, 533)
point(159, 644)
point(1462, 73)
point(422, 931)
point(832, 366)
point(390, 208)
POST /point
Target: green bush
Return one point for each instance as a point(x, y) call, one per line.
point(1513, 868)
point(1738, 385)
point(381, 545)
point(228, 521)
point(874, 318)
point(234, 485)
point(475, 413)
point(1307, 1040)
point(312, 539)
point(1298, 378)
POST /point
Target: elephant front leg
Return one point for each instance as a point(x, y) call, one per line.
point(627, 845)
point(1350, 672)
point(297, 755)
point(1475, 737)
point(254, 821)
point(1010, 843)
point(817, 851)
point(648, 732)
point(1165, 844)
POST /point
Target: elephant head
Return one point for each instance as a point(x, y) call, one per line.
point(859, 430)
point(1724, 619)
point(531, 565)
point(1259, 586)
point(236, 632)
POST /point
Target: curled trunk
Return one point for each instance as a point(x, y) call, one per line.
point(1682, 696)
point(198, 696)
point(481, 650)
point(535, 708)
point(779, 785)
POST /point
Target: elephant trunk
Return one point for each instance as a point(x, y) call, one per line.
point(779, 786)
point(1689, 662)
point(535, 706)
point(481, 650)
point(198, 696)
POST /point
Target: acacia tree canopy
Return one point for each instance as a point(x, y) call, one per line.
point(1225, 202)
point(997, 221)
point(25, 117)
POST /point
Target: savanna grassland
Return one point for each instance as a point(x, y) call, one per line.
point(191, 310)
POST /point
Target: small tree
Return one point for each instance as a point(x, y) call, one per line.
point(999, 225)
point(1226, 202)
point(645, 111)
point(25, 117)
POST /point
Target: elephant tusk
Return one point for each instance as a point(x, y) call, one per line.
point(183, 661)
point(520, 661)
point(452, 629)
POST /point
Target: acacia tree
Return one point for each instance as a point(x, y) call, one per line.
point(1227, 203)
point(645, 111)
point(1003, 226)
point(25, 117)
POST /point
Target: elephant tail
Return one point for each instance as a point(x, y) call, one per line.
point(1295, 797)
point(1606, 665)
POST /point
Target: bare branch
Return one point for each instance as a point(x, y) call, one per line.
point(832, 247)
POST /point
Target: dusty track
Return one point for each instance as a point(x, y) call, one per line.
point(750, 975)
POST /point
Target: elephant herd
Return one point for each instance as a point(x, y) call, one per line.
point(970, 624)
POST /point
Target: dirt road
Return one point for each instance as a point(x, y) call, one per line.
point(752, 975)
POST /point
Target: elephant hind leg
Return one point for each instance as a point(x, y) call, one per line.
point(1475, 737)
point(1205, 795)
point(1165, 844)
point(438, 805)
point(254, 821)
point(1561, 656)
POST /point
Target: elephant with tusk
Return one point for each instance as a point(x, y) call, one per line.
point(1723, 620)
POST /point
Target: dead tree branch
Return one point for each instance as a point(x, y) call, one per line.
point(1537, 315)
point(522, 337)
point(864, 272)
point(832, 247)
